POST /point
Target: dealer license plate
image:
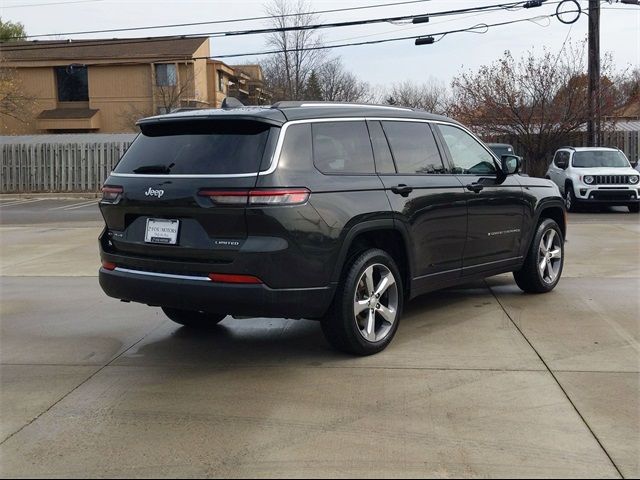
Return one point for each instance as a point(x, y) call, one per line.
point(161, 231)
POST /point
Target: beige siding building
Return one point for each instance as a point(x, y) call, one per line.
point(106, 85)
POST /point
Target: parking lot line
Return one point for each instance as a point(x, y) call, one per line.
point(75, 205)
point(20, 202)
point(88, 204)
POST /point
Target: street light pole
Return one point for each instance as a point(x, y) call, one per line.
point(593, 123)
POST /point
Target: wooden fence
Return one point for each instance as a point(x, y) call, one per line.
point(57, 167)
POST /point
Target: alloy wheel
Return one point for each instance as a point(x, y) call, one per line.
point(550, 256)
point(375, 303)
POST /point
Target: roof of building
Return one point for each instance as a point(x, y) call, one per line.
point(67, 113)
point(282, 112)
point(151, 49)
point(631, 110)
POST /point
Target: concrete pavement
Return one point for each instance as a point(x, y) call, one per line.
point(480, 381)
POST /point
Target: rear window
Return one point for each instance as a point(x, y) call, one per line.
point(232, 147)
point(342, 147)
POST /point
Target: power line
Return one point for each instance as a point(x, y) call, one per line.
point(90, 43)
point(484, 26)
point(217, 22)
point(50, 3)
point(65, 43)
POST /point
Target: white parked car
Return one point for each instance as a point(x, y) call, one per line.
point(595, 176)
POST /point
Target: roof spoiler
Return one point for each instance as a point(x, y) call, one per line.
point(231, 102)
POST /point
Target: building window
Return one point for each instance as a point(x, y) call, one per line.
point(73, 84)
point(166, 74)
point(220, 82)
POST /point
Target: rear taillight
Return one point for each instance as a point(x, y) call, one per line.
point(280, 196)
point(233, 278)
point(228, 197)
point(277, 196)
point(108, 265)
point(111, 193)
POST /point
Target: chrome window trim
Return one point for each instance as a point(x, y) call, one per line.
point(275, 159)
point(177, 175)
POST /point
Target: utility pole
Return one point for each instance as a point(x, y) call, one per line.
point(593, 123)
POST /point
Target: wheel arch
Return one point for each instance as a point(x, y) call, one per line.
point(568, 185)
point(555, 210)
point(384, 234)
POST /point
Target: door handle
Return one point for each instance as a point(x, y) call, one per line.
point(475, 187)
point(402, 189)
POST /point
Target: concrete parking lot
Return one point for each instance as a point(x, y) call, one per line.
point(481, 381)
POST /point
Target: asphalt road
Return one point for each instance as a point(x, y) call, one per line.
point(480, 381)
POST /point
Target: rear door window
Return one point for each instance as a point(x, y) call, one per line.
point(413, 147)
point(200, 147)
point(342, 148)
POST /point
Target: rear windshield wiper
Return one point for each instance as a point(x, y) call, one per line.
point(154, 169)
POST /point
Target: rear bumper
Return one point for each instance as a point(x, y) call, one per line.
point(198, 293)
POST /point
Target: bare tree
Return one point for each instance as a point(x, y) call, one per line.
point(180, 92)
point(14, 102)
point(175, 92)
point(130, 115)
point(339, 85)
point(287, 72)
point(537, 101)
point(431, 96)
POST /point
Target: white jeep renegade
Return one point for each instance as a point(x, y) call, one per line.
point(595, 176)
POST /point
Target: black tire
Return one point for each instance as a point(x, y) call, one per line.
point(193, 319)
point(635, 208)
point(530, 279)
point(570, 200)
point(340, 326)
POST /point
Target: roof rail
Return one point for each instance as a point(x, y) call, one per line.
point(310, 103)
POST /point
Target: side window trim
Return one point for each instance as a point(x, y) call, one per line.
point(442, 147)
point(393, 157)
point(276, 156)
point(375, 160)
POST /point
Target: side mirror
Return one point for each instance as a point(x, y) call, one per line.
point(511, 164)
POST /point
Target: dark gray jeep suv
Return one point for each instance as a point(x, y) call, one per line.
point(334, 212)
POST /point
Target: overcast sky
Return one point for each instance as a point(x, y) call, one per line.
point(378, 64)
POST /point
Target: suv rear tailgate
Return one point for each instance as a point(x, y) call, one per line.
point(161, 178)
